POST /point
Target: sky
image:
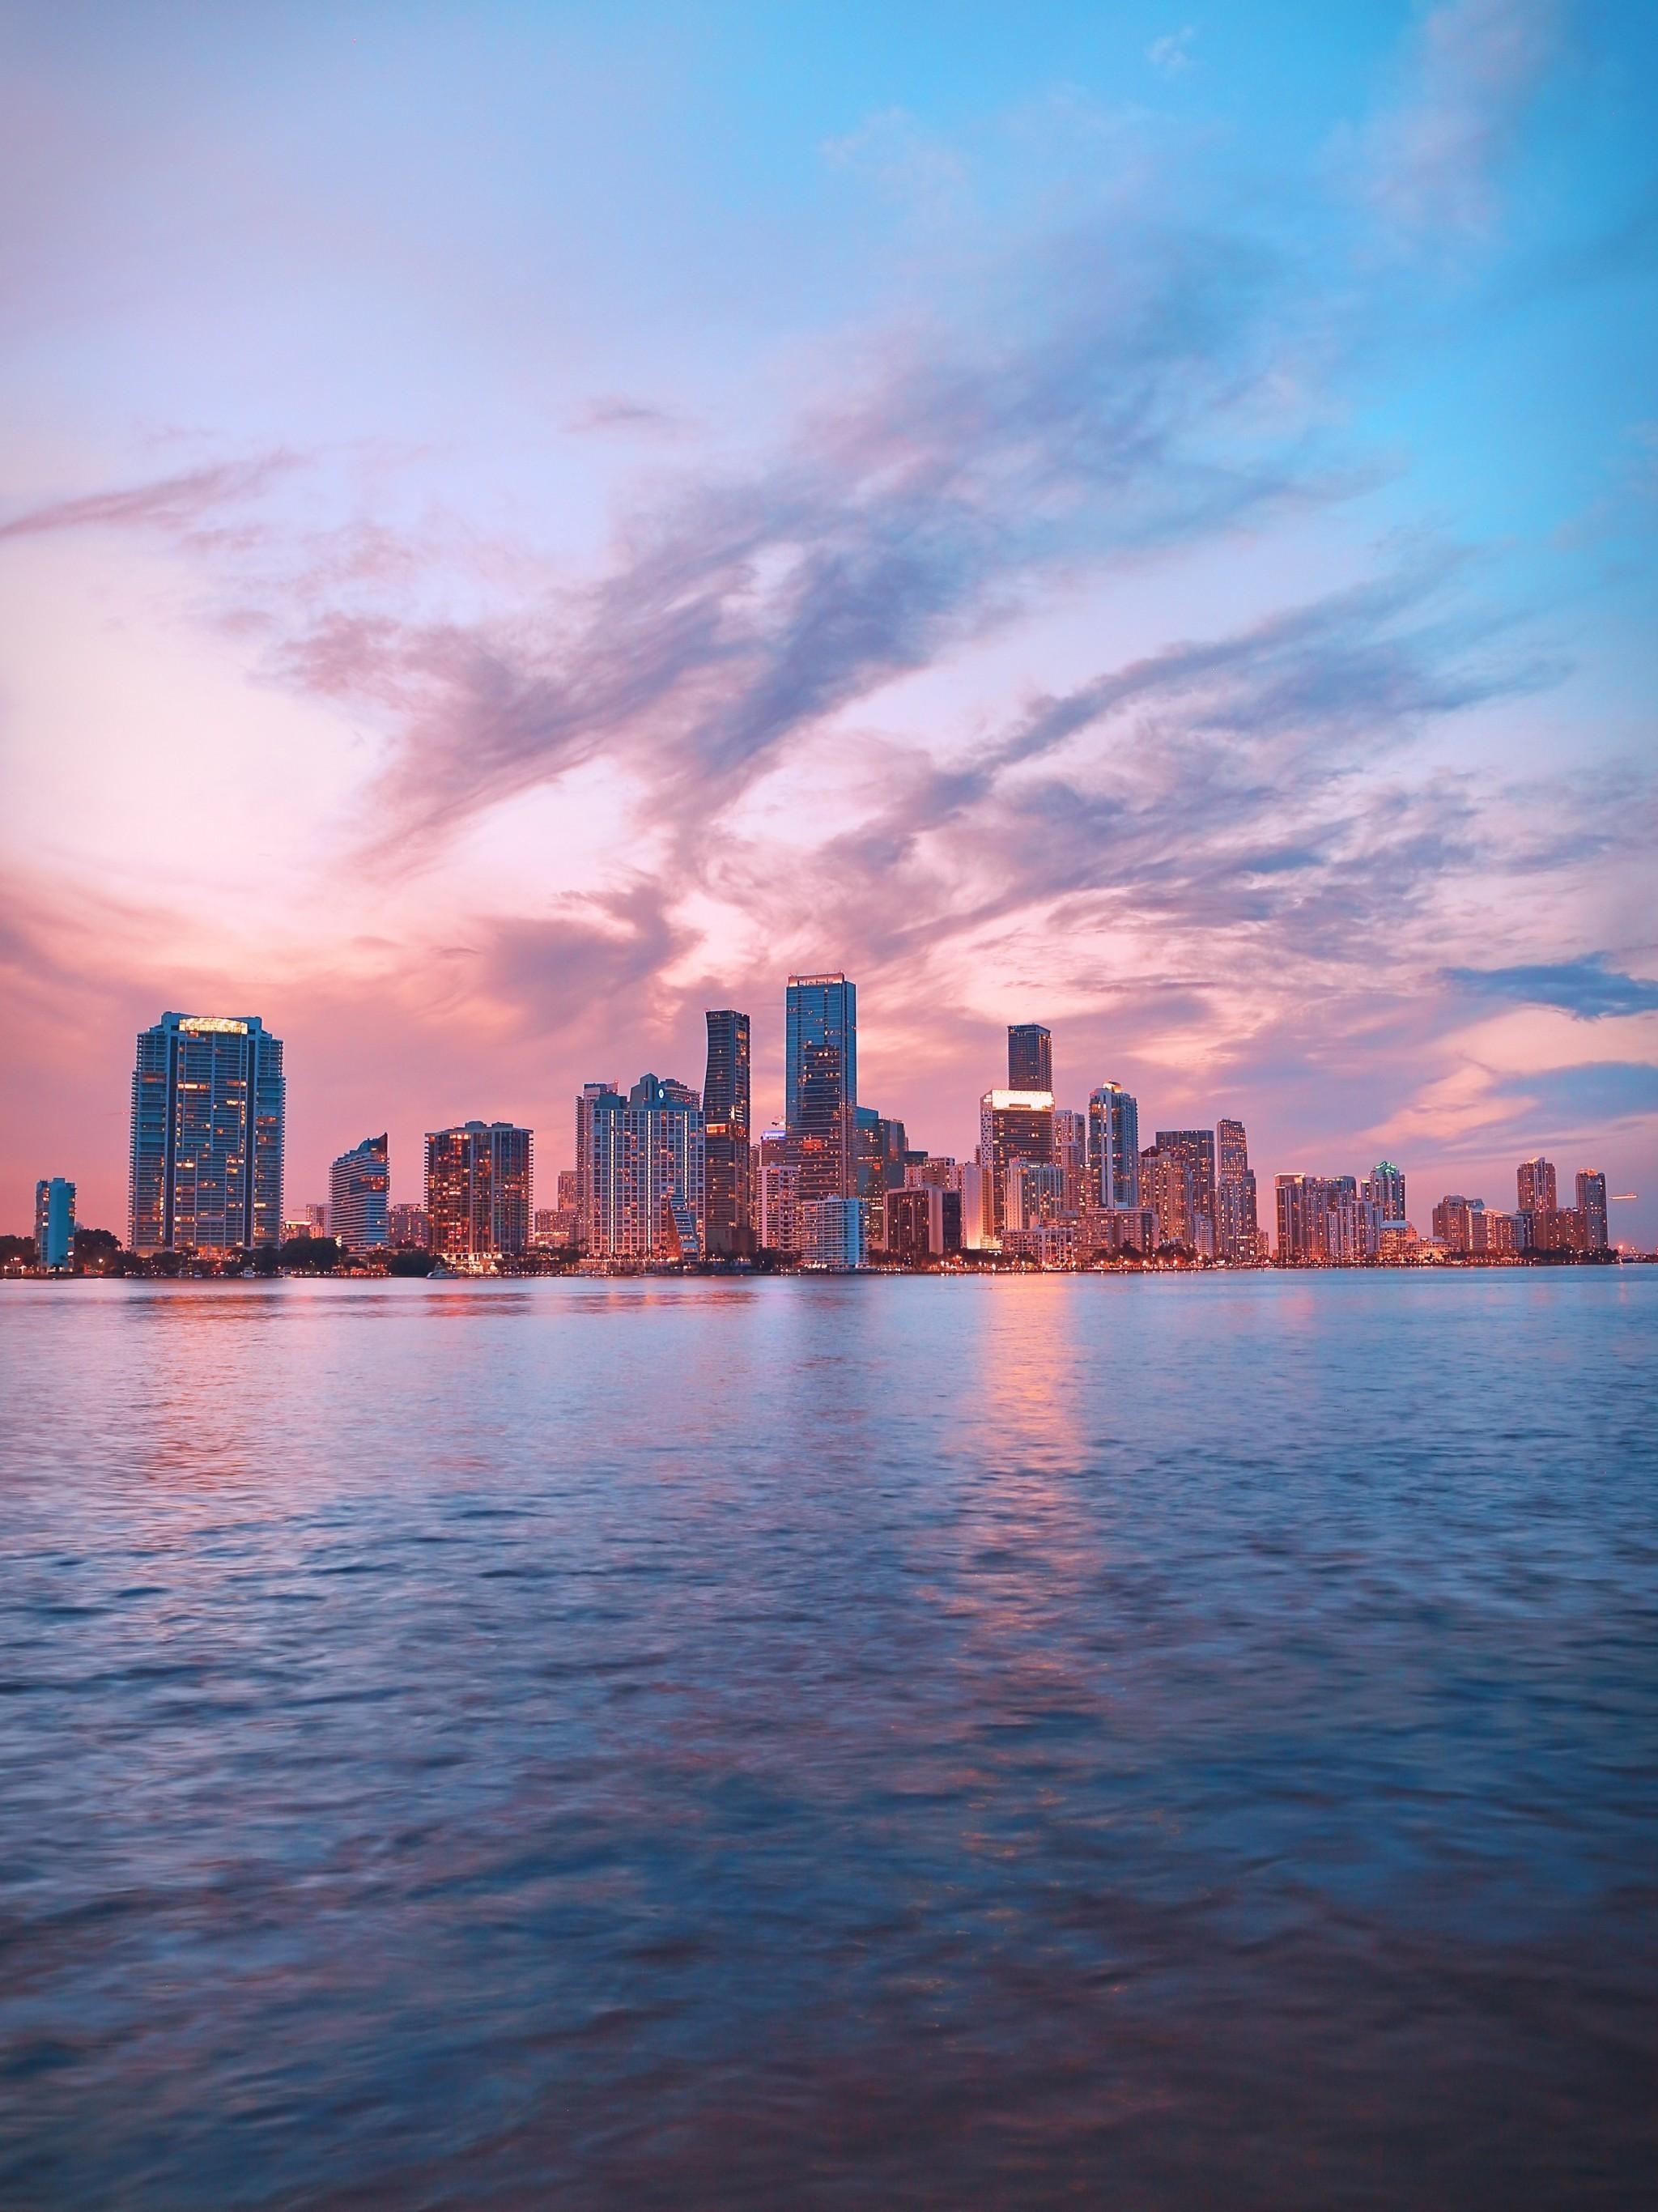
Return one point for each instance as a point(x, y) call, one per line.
point(520, 524)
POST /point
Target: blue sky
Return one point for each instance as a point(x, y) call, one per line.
point(518, 524)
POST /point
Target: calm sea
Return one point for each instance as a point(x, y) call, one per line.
point(1160, 1743)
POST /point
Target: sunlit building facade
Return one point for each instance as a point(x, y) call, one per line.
point(1013, 1125)
point(208, 1113)
point(1191, 1152)
point(478, 1191)
point(359, 1184)
point(834, 1233)
point(406, 1224)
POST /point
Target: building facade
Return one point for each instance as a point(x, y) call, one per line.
point(728, 1208)
point(1029, 1057)
point(208, 1106)
point(406, 1226)
point(54, 1223)
point(1591, 1205)
point(834, 1233)
point(1237, 1239)
point(478, 1191)
point(643, 1161)
point(1385, 1187)
point(1113, 1147)
point(1013, 1125)
point(359, 1188)
point(1185, 1165)
point(820, 1081)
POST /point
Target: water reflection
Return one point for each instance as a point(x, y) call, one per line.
point(921, 1742)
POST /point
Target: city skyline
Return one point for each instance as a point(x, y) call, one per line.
point(1066, 522)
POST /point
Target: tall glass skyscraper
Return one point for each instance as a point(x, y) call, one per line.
point(1029, 1057)
point(821, 1081)
point(1236, 1240)
point(207, 1108)
point(359, 1186)
point(1113, 1147)
point(726, 1123)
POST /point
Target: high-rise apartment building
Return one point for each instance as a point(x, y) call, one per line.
point(406, 1224)
point(820, 1081)
point(478, 1191)
point(208, 1109)
point(1013, 1125)
point(642, 1164)
point(1029, 1057)
point(359, 1185)
point(728, 1207)
point(54, 1223)
point(1384, 1187)
point(1323, 1222)
point(1591, 1206)
point(834, 1233)
point(1237, 1230)
point(1535, 1179)
point(1113, 1147)
point(777, 1190)
point(1189, 1187)
point(1071, 1154)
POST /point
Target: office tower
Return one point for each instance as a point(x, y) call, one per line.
point(930, 1171)
point(206, 1163)
point(1013, 1125)
point(908, 1225)
point(1194, 1149)
point(834, 1233)
point(643, 1161)
point(358, 1184)
point(1071, 1154)
point(1029, 1057)
point(1036, 1196)
point(726, 1124)
point(478, 1191)
point(1535, 1179)
point(54, 1223)
point(406, 1224)
point(1113, 1146)
point(821, 1081)
point(1385, 1187)
point(1591, 1206)
point(1236, 1241)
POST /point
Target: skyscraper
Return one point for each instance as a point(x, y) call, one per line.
point(1385, 1187)
point(477, 1190)
point(821, 1081)
point(1013, 1125)
point(1591, 1205)
point(1236, 1241)
point(54, 1222)
point(726, 1121)
point(1113, 1147)
point(1029, 1057)
point(644, 1159)
point(1195, 1150)
point(208, 1106)
point(1535, 1179)
point(1071, 1154)
point(359, 1184)
point(406, 1223)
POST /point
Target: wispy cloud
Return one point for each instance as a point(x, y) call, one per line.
point(1430, 161)
point(1589, 988)
point(173, 504)
point(1171, 55)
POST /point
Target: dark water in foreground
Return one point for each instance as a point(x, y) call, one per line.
point(823, 1743)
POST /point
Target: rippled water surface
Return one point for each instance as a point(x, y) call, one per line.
point(910, 1742)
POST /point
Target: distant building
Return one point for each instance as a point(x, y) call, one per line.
point(821, 1081)
point(54, 1223)
point(646, 1164)
point(359, 1184)
point(777, 1192)
point(1192, 1151)
point(1013, 1125)
point(1535, 1180)
point(208, 1111)
point(1591, 1206)
point(1322, 1222)
point(1036, 1196)
point(833, 1233)
point(1113, 1147)
point(976, 1233)
point(478, 1191)
point(1115, 1232)
point(1384, 1187)
point(1237, 1239)
point(727, 1204)
point(1071, 1154)
point(930, 1172)
point(1029, 1057)
point(406, 1226)
point(908, 1236)
point(1467, 1228)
